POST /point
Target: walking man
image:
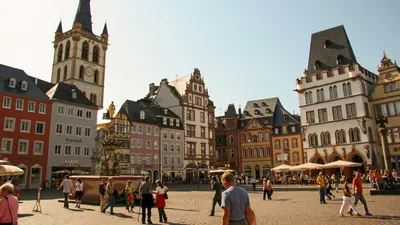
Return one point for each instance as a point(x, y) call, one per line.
point(110, 196)
point(358, 194)
point(236, 203)
point(321, 184)
point(216, 186)
point(102, 192)
point(67, 186)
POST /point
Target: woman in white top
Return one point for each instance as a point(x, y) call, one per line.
point(160, 192)
point(78, 193)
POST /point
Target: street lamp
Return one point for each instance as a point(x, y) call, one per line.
point(381, 121)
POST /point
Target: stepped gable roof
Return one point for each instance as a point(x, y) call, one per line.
point(326, 46)
point(180, 84)
point(33, 91)
point(231, 111)
point(62, 91)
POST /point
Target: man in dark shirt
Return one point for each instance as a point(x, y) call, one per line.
point(216, 186)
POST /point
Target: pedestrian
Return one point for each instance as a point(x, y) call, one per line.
point(328, 191)
point(267, 188)
point(67, 186)
point(160, 200)
point(78, 193)
point(8, 205)
point(358, 195)
point(110, 196)
point(347, 200)
point(236, 203)
point(335, 181)
point(321, 185)
point(254, 182)
point(129, 198)
point(285, 179)
point(302, 178)
point(102, 192)
point(216, 186)
point(147, 200)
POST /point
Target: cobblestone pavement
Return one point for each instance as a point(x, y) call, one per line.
point(298, 208)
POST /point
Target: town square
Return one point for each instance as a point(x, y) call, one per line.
point(212, 112)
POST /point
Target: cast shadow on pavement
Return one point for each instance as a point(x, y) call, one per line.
point(382, 217)
point(188, 210)
point(21, 215)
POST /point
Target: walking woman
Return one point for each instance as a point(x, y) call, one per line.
point(78, 193)
point(129, 196)
point(347, 200)
point(160, 200)
point(147, 200)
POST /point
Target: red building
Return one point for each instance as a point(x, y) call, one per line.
point(25, 115)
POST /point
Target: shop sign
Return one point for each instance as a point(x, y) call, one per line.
point(71, 162)
point(73, 140)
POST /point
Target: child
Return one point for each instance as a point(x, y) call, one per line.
point(347, 200)
point(328, 191)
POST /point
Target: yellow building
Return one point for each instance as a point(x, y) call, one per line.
point(287, 145)
point(385, 101)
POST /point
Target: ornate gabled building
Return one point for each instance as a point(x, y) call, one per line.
point(385, 101)
point(227, 151)
point(333, 98)
point(188, 98)
point(80, 55)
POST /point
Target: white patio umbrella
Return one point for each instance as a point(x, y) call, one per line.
point(282, 167)
point(306, 166)
point(340, 164)
point(8, 170)
point(4, 162)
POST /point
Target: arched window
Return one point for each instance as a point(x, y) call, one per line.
point(321, 92)
point(65, 72)
point(351, 135)
point(310, 100)
point(277, 144)
point(344, 90)
point(261, 137)
point(310, 140)
point(318, 95)
point(364, 90)
point(268, 151)
point(335, 95)
point(96, 77)
point(67, 49)
point(254, 138)
point(58, 75)
point(285, 143)
point(349, 92)
point(85, 50)
point(232, 154)
point(357, 135)
point(295, 144)
point(96, 52)
point(306, 97)
point(248, 137)
point(255, 151)
point(343, 136)
point(267, 136)
point(315, 139)
point(231, 139)
point(243, 138)
point(94, 99)
point(81, 72)
point(261, 152)
point(60, 52)
point(250, 153)
point(337, 137)
point(325, 138)
point(331, 92)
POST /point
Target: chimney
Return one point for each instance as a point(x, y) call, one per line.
point(164, 81)
point(240, 112)
point(151, 89)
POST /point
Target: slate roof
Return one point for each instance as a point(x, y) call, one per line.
point(83, 15)
point(63, 92)
point(158, 113)
point(105, 30)
point(260, 108)
point(337, 43)
point(132, 110)
point(59, 28)
point(33, 91)
point(231, 111)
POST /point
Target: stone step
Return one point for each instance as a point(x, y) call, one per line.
point(385, 192)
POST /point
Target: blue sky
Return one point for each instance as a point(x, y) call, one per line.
point(244, 49)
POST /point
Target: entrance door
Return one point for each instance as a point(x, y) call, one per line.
point(257, 170)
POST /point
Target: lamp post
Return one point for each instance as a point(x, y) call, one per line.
point(381, 121)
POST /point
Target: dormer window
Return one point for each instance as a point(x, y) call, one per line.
point(317, 65)
point(326, 44)
point(165, 121)
point(245, 113)
point(165, 111)
point(24, 85)
point(255, 105)
point(263, 104)
point(11, 83)
point(339, 59)
point(256, 112)
point(268, 111)
point(177, 122)
point(142, 115)
point(73, 93)
point(285, 118)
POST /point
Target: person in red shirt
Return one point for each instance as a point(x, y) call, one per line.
point(358, 194)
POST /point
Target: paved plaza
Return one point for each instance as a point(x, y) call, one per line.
point(193, 207)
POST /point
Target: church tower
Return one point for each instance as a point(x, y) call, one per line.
point(80, 55)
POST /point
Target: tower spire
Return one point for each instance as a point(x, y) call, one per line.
point(59, 28)
point(105, 30)
point(83, 15)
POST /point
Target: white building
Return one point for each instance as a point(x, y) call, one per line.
point(333, 99)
